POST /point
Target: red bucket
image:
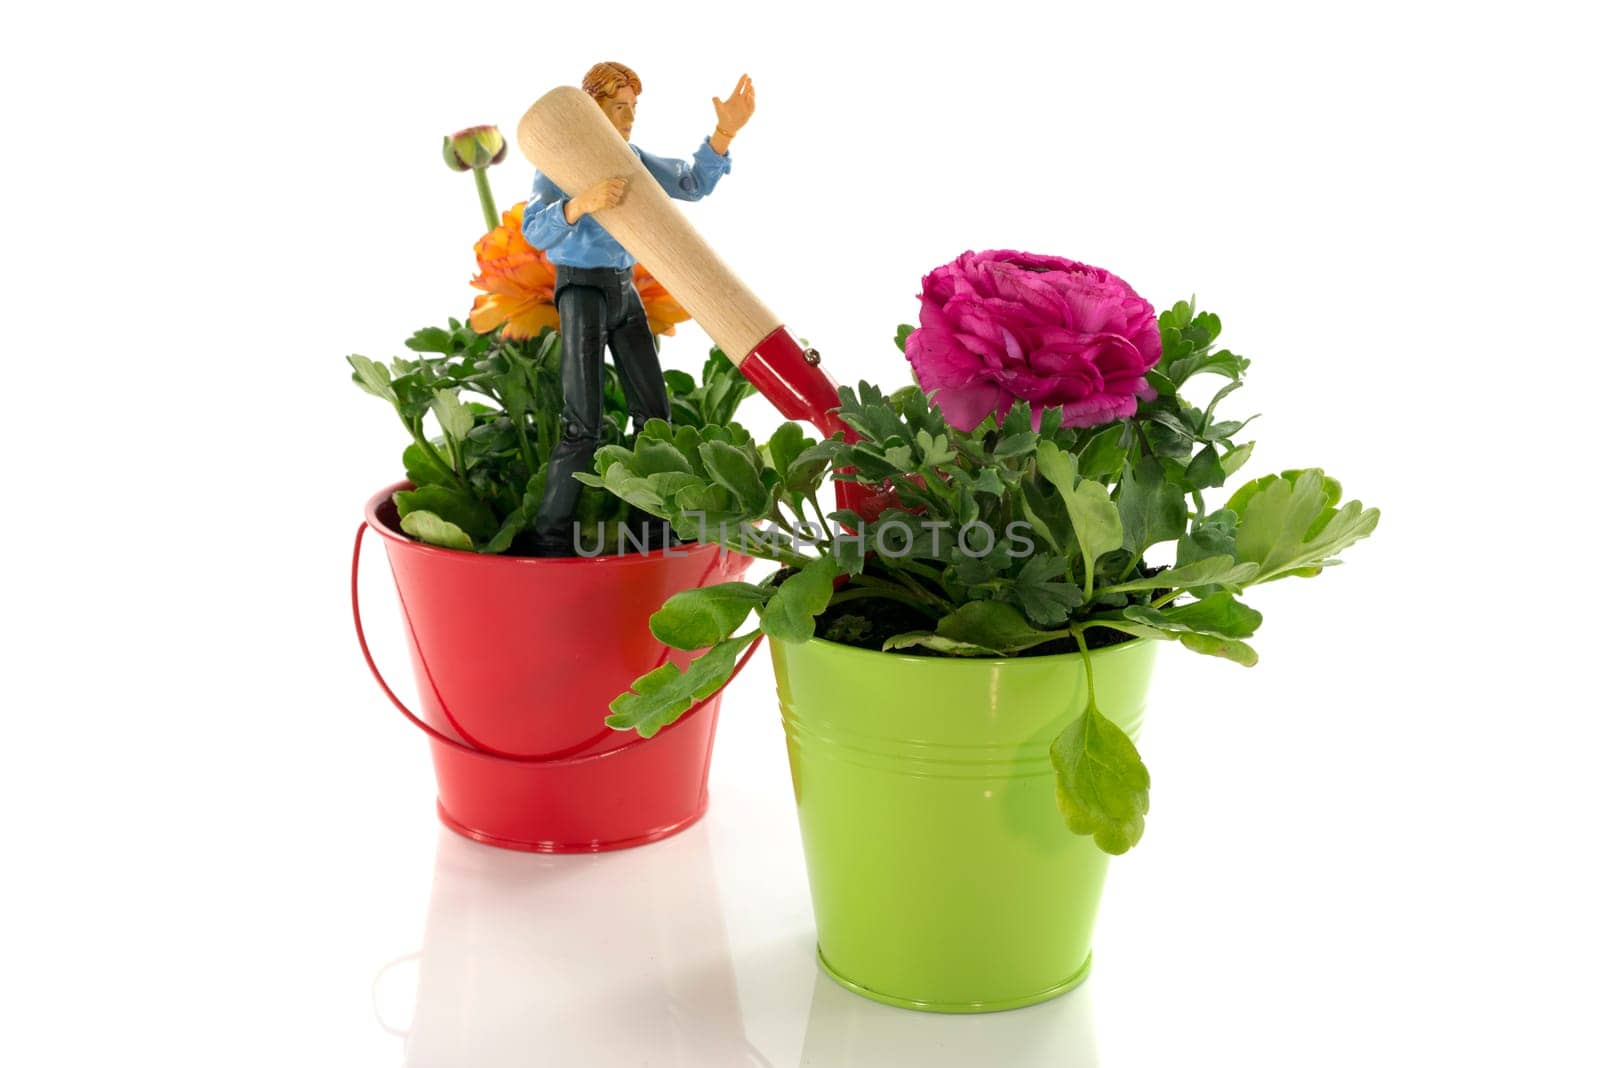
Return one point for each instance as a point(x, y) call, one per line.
point(516, 660)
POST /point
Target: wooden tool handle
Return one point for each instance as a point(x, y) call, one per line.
point(568, 138)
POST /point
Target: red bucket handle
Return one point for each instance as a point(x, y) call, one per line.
point(562, 756)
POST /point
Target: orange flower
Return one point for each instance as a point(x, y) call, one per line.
point(659, 306)
point(518, 283)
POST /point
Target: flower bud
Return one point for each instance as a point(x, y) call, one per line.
point(474, 148)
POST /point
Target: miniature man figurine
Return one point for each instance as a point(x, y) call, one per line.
point(594, 291)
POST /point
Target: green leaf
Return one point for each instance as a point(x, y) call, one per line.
point(1017, 444)
point(631, 488)
point(427, 527)
point(1235, 458)
point(865, 410)
point(1205, 470)
point(457, 507)
point(700, 618)
point(423, 470)
point(1288, 524)
point(1102, 787)
point(848, 630)
point(1151, 508)
point(1095, 520)
point(1211, 535)
point(1218, 615)
point(431, 339)
point(514, 524)
point(790, 616)
point(1221, 362)
point(1046, 515)
point(660, 697)
point(1227, 648)
point(732, 469)
point(1128, 626)
point(900, 335)
point(983, 628)
point(935, 449)
point(929, 640)
point(372, 377)
point(653, 457)
point(988, 481)
point(786, 443)
point(1041, 591)
point(1213, 570)
point(1102, 455)
point(454, 417)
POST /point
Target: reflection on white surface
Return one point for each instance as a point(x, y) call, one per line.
point(617, 958)
point(625, 958)
point(846, 1030)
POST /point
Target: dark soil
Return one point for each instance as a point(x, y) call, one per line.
point(868, 623)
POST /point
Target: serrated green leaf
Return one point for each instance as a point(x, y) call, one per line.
point(1128, 626)
point(1096, 523)
point(1102, 786)
point(1288, 524)
point(660, 697)
point(1151, 508)
point(431, 339)
point(371, 376)
point(935, 449)
point(994, 627)
point(786, 443)
point(455, 418)
point(1218, 615)
point(456, 506)
point(1205, 470)
point(679, 383)
point(1236, 458)
point(1047, 516)
point(631, 488)
point(422, 469)
point(929, 640)
point(1019, 443)
point(790, 615)
point(700, 618)
point(1040, 589)
point(514, 524)
point(1213, 570)
point(732, 469)
point(653, 457)
point(1103, 454)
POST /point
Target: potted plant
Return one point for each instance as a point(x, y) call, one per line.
point(514, 655)
point(963, 674)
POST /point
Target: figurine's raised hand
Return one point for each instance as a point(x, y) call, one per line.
point(598, 197)
point(734, 112)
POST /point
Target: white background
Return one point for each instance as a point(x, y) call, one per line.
point(1376, 847)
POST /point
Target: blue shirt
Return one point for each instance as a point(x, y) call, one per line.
point(586, 243)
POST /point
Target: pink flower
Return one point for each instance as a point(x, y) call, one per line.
point(1001, 326)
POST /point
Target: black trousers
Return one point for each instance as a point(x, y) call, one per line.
point(598, 307)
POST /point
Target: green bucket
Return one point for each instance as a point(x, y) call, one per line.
point(943, 875)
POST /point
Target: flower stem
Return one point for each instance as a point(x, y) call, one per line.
point(480, 177)
point(1088, 668)
point(822, 517)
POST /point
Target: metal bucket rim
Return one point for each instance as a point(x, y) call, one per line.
point(988, 663)
point(380, 524)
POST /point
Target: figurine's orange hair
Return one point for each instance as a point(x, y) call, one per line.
point(604, 79)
